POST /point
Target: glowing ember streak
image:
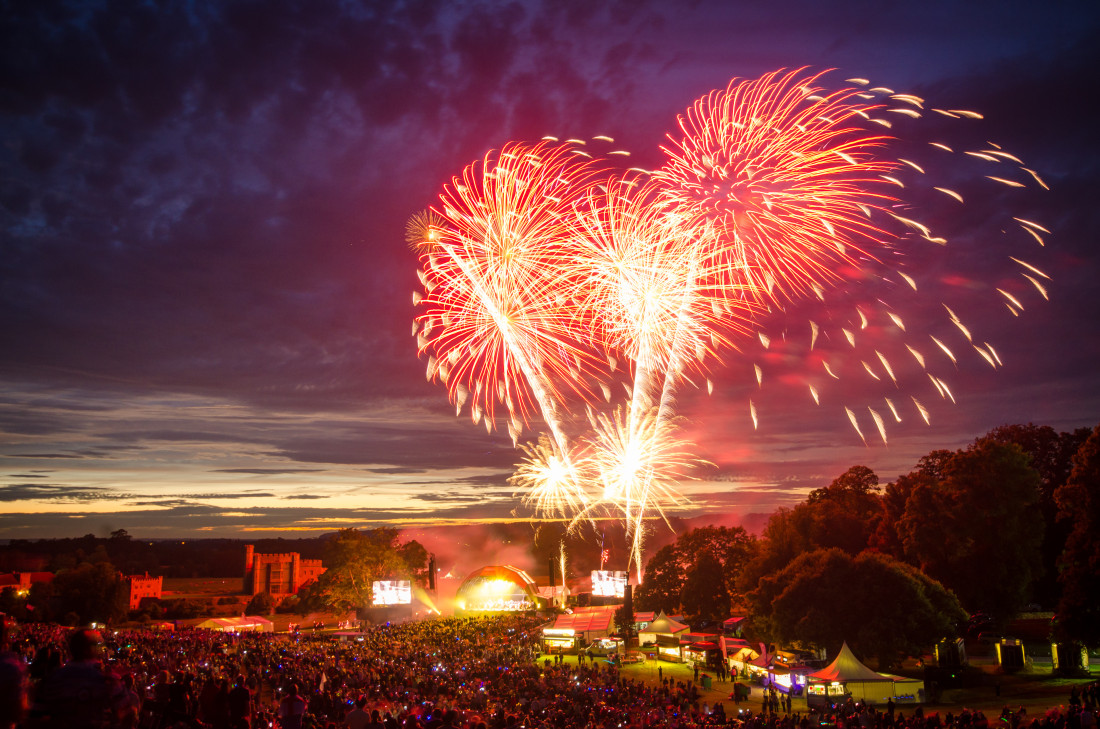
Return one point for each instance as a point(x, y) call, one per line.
point(920, 409)
point(893, 409)
point(1030, 223)
point(949, 193)
point(1038, 179)
point(878, 424)
point(1035, 282)
point(886, 366)
point(958, 323)
point(855, 424)
point(1034, 235)
point(813, 393)
point(916, 355)
point(986, 356)
point(1010, 297)
point(946, 351)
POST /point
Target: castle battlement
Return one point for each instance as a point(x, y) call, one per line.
point(278, 574)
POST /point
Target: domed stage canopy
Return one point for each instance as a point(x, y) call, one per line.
point(497, 588)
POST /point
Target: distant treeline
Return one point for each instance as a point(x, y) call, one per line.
point(170, 558)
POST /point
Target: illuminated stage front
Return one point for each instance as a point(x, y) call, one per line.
point(497, 588)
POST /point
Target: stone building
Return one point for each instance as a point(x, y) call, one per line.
point(278, 574)
point(142, 586)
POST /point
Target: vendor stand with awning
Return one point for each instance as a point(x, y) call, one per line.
point(669, 649)
point(701, 653)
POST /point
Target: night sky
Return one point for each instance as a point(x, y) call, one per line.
point(206, 297)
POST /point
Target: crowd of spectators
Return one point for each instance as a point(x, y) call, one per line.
point(448, 673)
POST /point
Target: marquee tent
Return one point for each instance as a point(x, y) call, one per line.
point(847, 677)
point(243, 624)
point(661, 625)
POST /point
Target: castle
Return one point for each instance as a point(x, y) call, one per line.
point(142, 586)
point(278, 574)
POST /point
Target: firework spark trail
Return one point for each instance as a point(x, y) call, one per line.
point(643, 290)
point(542, 274)
point(745, 151)
point(491, 292)
point(785, 175)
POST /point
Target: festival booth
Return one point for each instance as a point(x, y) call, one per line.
point(701, 653)
point(591, 626)
point(846, 678)
point(740, 656)
point(243, 624)
point(497, 589)
point(570, 631)
point(664, 633)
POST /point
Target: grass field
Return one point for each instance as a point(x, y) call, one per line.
point(1036, 691)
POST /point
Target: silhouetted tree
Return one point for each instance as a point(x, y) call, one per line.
point(726, 549)
point(92, 592)
point(1051, 455)
point(881, 607)
point(1079, 503)
point(975, 530)
point(704, 596)
point(662, 583)
point(843, 514)
point(262, 603)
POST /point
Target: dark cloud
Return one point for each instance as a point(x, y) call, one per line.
point(266, 471)
point(49, 492)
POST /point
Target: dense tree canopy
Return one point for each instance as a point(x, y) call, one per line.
point(355, 559)
point(880, 606)
point(660, 588)
point(843, 514)
point(704, 597)
point(1051, 455)
point(1079, 504)
point(724, 550)
point(976, 530)
point(90, 592)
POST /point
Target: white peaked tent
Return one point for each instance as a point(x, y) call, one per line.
point(661, 625)
point(846, 677)
point(243, 624)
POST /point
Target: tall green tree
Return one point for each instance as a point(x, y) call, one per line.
point(662, 583)
point(881, 607)
point(704, 596)
point(975, 530)
point(354, 560)
point(1079, 504)
point(843, 514)
point(1051, 455)
point(92, 592)
point(726, 549)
